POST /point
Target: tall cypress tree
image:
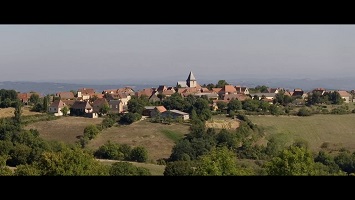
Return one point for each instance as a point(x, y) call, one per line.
point(18, 113)
point(45, 103)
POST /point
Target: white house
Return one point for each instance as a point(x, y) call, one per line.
point(56, 108)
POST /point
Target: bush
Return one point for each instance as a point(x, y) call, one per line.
point(127, 169)
point(139, 154)
point(109, 151)
point(339, 111)
point(91, 131)
point(304, 112)
point(129, 118)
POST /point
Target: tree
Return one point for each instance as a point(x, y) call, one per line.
point(219, 162)
point(70, 162)
point(127, 169)
point(27, 170)
point(105, 108)
point(65, 110)
point(18, 113)
point(303, 112)
point(139, 154)
point(91, 131)
point(135, 105)
point(45, 103)
point(294, 161)
point(221, 105)
point(109, 151)
point(179, 168)
point(234, 105)
point(4, 170)
point(262, 89)
point(34, 98)
point(221, 83)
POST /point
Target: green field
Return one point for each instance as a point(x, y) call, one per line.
point(337, 130)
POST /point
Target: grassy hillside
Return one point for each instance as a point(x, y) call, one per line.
point(337, 130)
point(65, 129)
point(9, 112)
point(157, 138)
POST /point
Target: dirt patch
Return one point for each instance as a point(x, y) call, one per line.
point(226, 123)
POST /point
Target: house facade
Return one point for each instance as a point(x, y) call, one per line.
point(80, 108)
point(56, 108)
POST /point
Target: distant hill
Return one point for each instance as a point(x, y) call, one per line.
point(346, 83)
point(45, 88)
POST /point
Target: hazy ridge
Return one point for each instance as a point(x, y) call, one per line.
point(306, 84)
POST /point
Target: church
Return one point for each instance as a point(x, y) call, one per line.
point(189, 83)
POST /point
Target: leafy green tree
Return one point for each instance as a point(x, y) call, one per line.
point(139, 154)
point(91, 131)
point(221, 105)
point(294, 161)
point(183, 150)
point(262, 89)
point(234, 105)
point(105, 108)
point(4, 170)
point(210, 86)
point(220, 162)
point(34, 98)
point(65, 110)
point(193, 115)
point(226, 138)
point(45, 103)
point(18, 114)
point(221, 83)
point(109, 151)
point(136, 105)
point(5, 147)
point(127, 169)
point(128, 118)
point(27, 170)
point(346, 162)
point(179, 168)
point(335, 98)
point(328, 161)
point(19, 154)
point(126, 150)
point(70, 162)
point(5, 103)
point(304, 112)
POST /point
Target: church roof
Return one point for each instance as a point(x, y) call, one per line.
point(191, 77)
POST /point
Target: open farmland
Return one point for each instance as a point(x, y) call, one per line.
point(9, 112)
point(65, 129)
point(157, 138)
point(336, 130)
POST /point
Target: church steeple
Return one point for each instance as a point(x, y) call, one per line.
point(191, 77)
point(191, 80)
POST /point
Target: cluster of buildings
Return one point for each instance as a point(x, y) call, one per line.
point(88, 102)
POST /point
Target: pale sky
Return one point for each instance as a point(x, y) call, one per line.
point(164, 52)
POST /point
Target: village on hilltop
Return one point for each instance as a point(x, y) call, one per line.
point(87, 102)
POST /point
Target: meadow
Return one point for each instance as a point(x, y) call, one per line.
point(327, 131)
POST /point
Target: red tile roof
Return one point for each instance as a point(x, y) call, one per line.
point(57, 104)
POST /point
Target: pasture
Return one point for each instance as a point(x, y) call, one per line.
point(337, 131)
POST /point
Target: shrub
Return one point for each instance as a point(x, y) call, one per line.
point(303, 112)
point(91, 131)
point(139, 154)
